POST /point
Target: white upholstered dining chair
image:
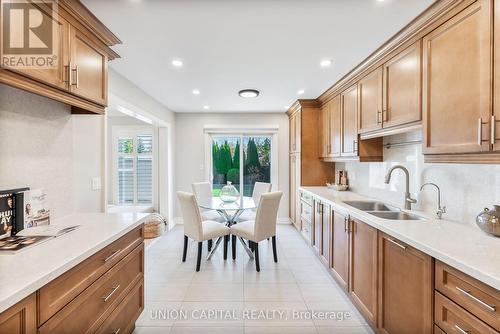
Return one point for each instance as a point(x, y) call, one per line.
point(263, 227)
point(195, 227)
point(258, 189)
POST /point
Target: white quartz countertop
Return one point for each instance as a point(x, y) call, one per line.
point(463, 246)
point(24, 272)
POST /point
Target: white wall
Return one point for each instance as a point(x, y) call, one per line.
point(44, 146)
point(466, 188)
point(190, 153)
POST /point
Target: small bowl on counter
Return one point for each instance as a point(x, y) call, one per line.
point(337, 187)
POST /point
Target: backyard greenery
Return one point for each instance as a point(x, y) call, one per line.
point(226, 162)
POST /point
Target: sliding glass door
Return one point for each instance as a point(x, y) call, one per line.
point(241, 160)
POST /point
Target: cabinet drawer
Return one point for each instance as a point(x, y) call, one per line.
point(307, 198)
point(305, 211)
point(87, 311)
point(58, 293)
point(451, 318)
point(478, 298)
point(123, 318)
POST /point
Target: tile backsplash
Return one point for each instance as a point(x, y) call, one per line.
point(466, 189)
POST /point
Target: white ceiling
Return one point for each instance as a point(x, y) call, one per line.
point(274, 46)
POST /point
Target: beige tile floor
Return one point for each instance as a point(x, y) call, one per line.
point(231, 297)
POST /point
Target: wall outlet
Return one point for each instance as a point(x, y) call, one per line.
point(96, 183)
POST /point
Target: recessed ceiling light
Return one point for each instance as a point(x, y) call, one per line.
point(286, 107)
point(177, 63)
point(325, 63)
point(206, 107)
point(248, 93)
point(196, 92)
point(300, 91)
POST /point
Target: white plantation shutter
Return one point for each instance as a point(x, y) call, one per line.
point(134, 169)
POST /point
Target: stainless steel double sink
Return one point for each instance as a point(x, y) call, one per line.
point(382, 210)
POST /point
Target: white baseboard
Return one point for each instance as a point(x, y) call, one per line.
point(282, 220)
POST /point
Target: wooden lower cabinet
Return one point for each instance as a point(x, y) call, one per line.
point(317, 227)
point(405, 286)
point(326, 231)
point(363, 274)
point(20, 318)
point(340, 249)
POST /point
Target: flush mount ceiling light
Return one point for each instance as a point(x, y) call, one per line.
point(300, 91)
point(196, 92)
point(177, 63)
point(286, 107)
point(206, 107)
point(325, 63)
point(248, 93)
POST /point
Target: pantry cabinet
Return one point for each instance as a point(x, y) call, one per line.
point(405, 288)
point(364, 265)
point(457, 84)
point(340, 249)
point(76, 71)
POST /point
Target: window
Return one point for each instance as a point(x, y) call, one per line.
point(241, 160)
point(134, 172)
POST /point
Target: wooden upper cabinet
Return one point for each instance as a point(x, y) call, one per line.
point(363, 278)
point(405, 288)
point(340, 249)
point(457, 83)
point(402, 88)
point(56, 75)
point(89, 68)
point(370, 101)
point(495, 133)
point(324, 131)
point(349, 107)
point(335, 127)
point(294, 132)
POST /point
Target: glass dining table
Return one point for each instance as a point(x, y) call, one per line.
point(229, 211)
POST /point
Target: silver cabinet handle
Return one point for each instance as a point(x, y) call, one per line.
point(491, 308)
point(493, 134)
point(345, 224)
point(113, 290)
point(480, 131)
point(115, 253)
point(117, 331)
point(379, 117)
point(460, 330)
point(397, 244)
point(355, 145)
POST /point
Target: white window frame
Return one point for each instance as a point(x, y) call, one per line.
point(125, 131)
point(212, 131)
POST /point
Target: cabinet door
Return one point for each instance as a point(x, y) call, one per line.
point(89, 67)
point(326, 233)
point(363, 279)
point(295, 132)
point(405, 285)
point(402, 81)
point(324, 131)
point(349, 105)
point(318, 222)
point(370, 101)
point(20, 318)
point(340, 249)
point(56, 75)
point(293, 188)
point(457, 83)
point(335, 127)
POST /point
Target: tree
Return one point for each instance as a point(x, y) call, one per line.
point(264, 147)
point(225, 158)
point(252, 155)
point(233, 175)
point(216, 157)
point(236, 157)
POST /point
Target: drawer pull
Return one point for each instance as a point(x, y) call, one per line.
point(396, 243)
point(491, 308)
point(460, 330)
point(106, 298)
point(115, 253)
point(117, 331)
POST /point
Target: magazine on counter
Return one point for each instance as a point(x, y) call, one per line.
point(36, 211)
point(6, 214)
